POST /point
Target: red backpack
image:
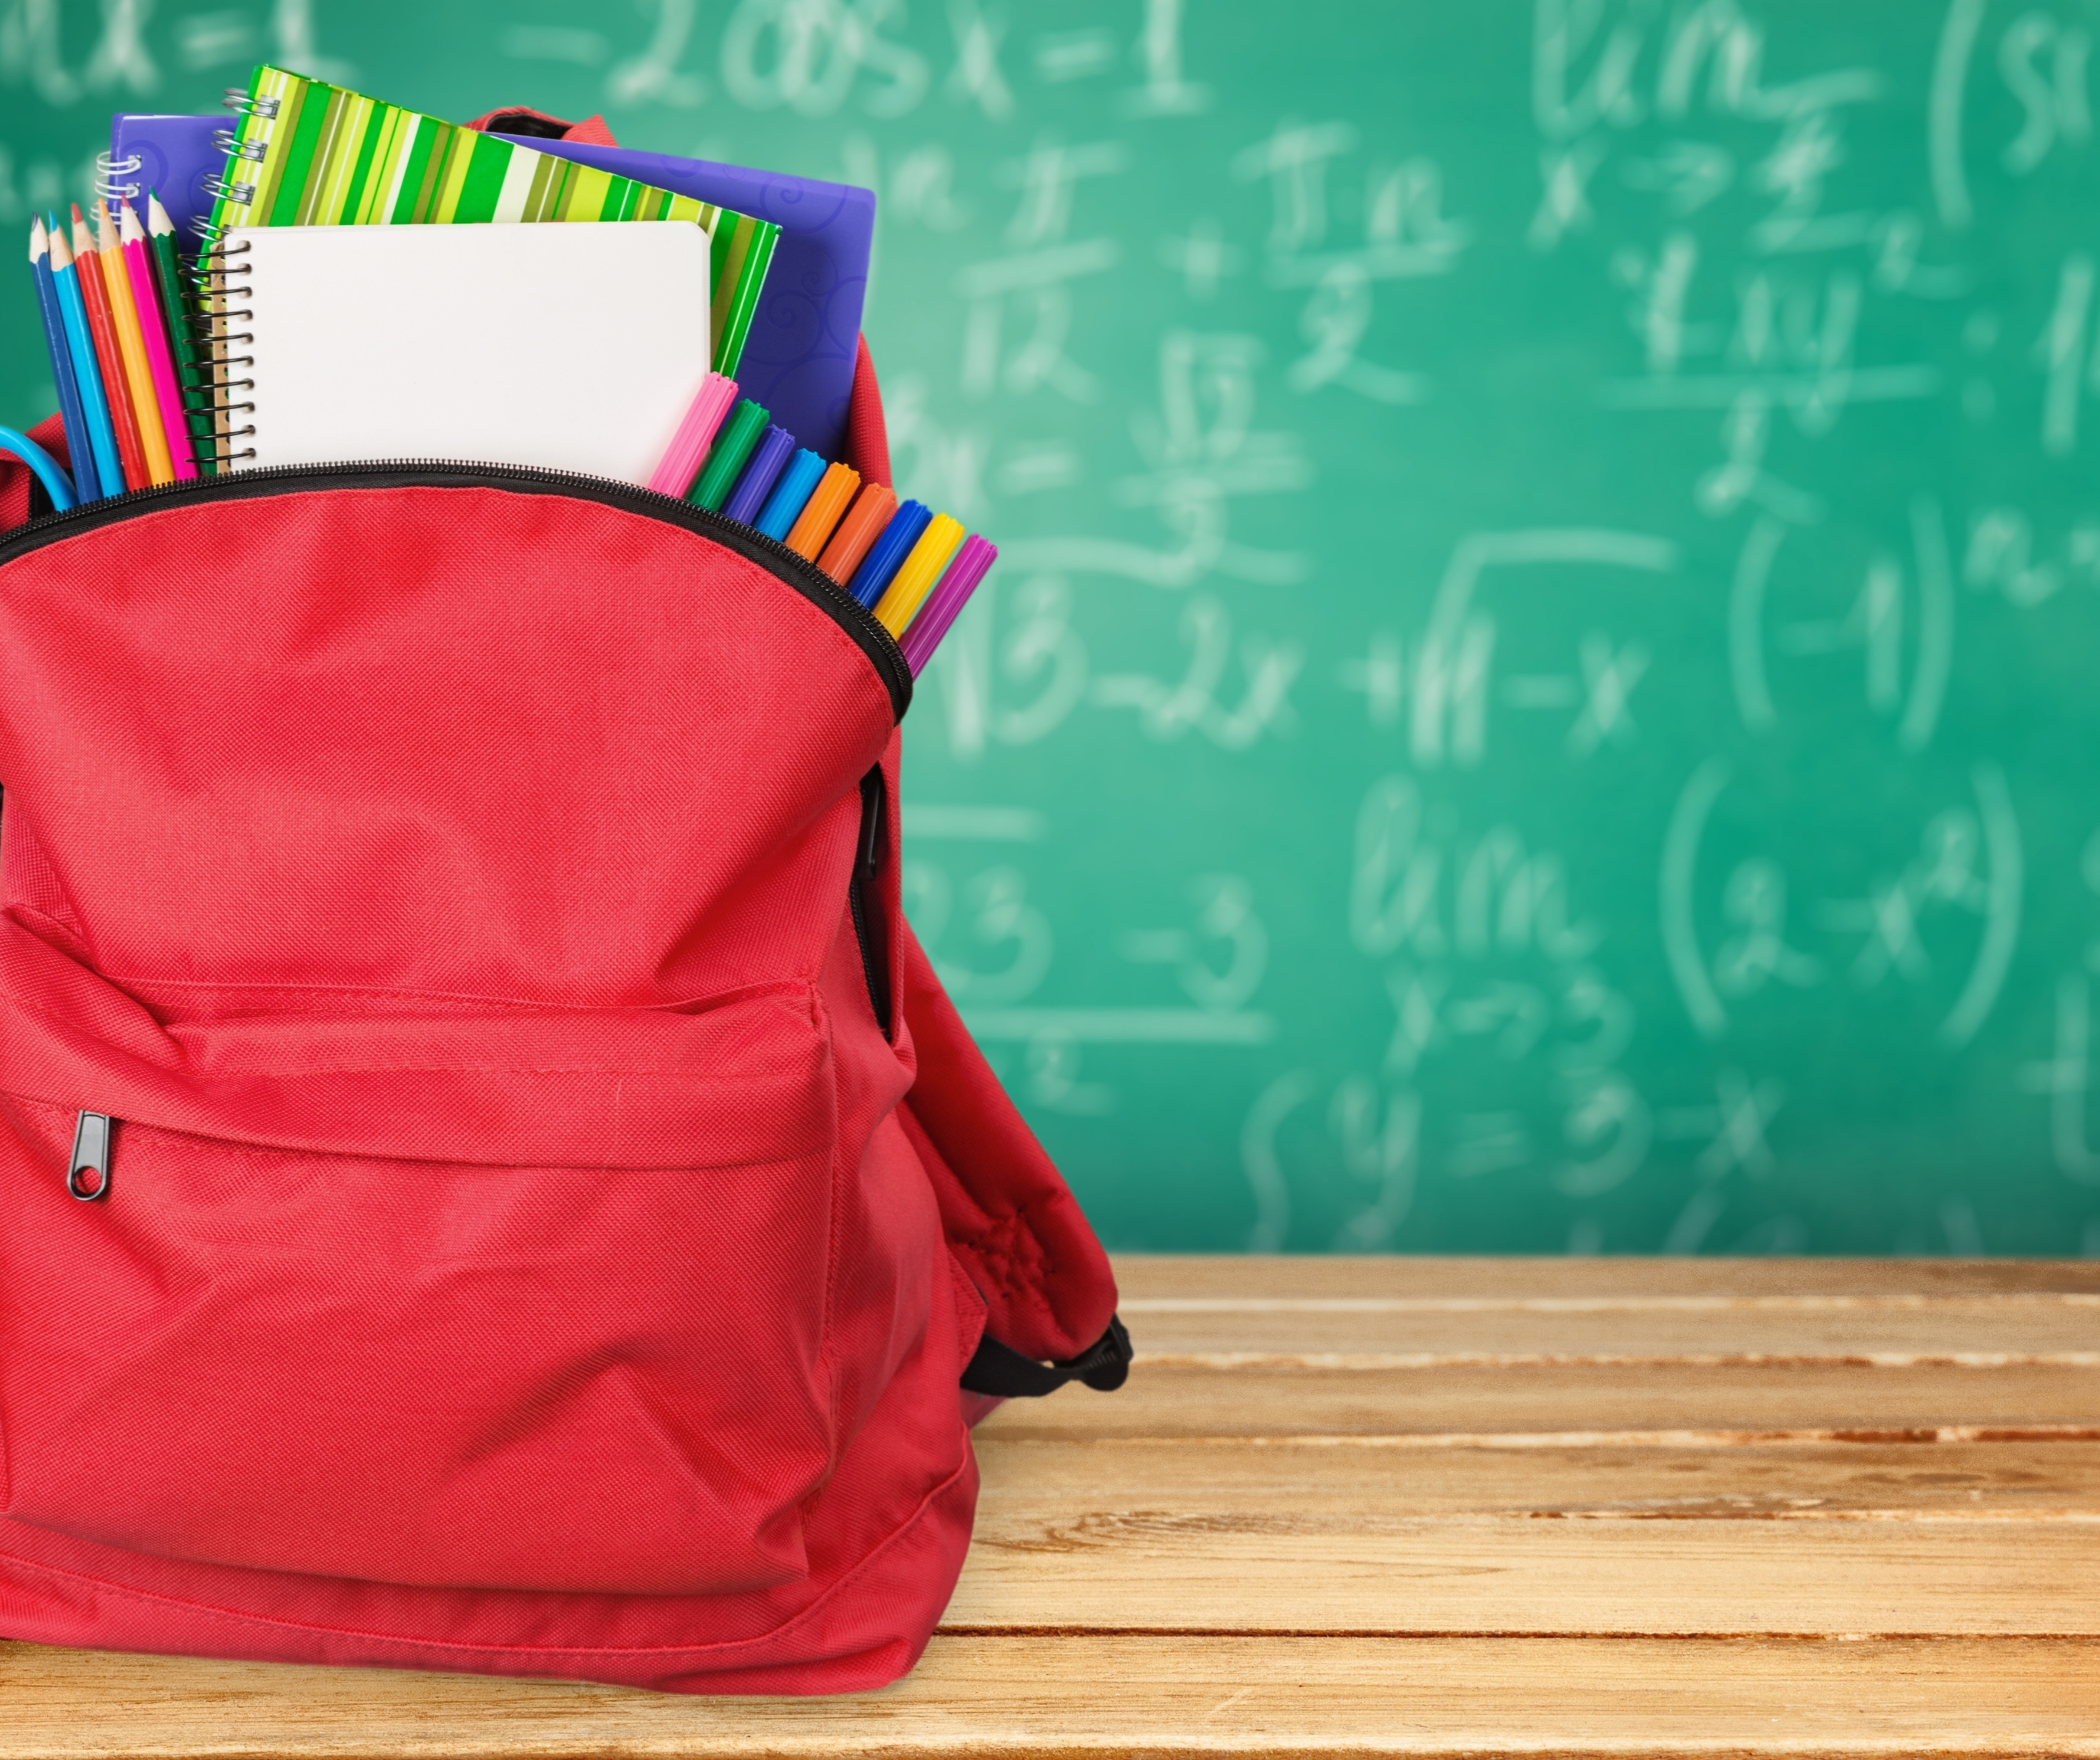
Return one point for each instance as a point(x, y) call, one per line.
point(489, 1179)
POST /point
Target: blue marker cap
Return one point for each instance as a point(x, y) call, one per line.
point(890, 550)
point(760, 475)
point(784, 506)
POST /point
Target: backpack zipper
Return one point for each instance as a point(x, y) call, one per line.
point(867, 919)
point(87, 1176)
point(770, 553)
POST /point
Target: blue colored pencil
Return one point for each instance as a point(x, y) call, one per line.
point(79, 448)
point(109, 464)
point(905, 527)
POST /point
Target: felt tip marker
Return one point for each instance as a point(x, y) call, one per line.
point(917, 575)
point(783, 506)
point(889, 552)
point(726, 458)
point(760, 475)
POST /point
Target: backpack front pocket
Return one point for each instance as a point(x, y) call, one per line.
point(387, 1357)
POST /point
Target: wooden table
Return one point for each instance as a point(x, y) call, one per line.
point(1429, 1506)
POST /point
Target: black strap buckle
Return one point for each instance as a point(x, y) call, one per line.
point(1004, 1373)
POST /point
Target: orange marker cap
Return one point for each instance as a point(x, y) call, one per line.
point(857, 533)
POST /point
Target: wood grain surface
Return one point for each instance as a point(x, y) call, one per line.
point(1412, 1507)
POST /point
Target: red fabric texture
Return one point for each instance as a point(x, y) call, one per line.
point(593, 131)
point(518, 1255)
point(1010, 1220)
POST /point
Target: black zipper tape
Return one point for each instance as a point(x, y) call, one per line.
point(864, 906)
point(769, 553)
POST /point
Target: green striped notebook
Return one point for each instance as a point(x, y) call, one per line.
point(310, 154)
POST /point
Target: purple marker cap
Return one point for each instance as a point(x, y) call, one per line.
point(973, 561)
point(759, 476)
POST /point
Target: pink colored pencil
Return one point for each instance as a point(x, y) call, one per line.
point(153, 324)
point(924, 633)
point(697, 432)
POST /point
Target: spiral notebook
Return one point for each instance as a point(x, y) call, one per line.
point(568, 347)
point(307, 154)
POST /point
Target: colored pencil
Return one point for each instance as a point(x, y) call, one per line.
point(919, 571)
point(189, 373)
point(947, 600)
point(681, 459)
point(80, 452)
point(856, 532)
point(822, 511)
point(153, 330)
point(101, 474)
point(95, 297)
point(131, 344)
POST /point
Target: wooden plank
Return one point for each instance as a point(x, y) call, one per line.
point(1897, 1330)
point(1338, 1536)
point(1288, 1397)
point(1018, 1698)
point(1320, 1483)
point(1167, 1569)
point(1153, 1276)
point(1433, 1507)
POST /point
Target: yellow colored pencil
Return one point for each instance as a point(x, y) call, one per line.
point(131, 345)
point(937, 545)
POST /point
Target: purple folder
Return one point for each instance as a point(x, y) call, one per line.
point(798, 360)
point(170, 155)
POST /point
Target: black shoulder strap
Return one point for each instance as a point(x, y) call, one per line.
point(1002, 1371)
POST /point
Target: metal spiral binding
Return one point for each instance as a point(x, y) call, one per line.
point(238, 194)
point(234, 147)
point(218, 280)
point(225, 186)
point(108, 169)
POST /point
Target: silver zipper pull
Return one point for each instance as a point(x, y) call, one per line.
point(88, 1178)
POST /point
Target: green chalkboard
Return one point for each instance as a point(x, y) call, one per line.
point(1541, 691)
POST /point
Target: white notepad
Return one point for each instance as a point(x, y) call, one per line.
point(573, 347)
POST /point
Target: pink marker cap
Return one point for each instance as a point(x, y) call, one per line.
point(688, 446)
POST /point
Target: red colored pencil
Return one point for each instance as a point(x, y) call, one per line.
point(87, 260)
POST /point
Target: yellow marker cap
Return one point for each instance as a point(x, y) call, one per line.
point(937, 546)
